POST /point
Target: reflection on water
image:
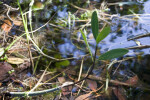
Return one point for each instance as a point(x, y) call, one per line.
point(122, 29)
point(63, 13)
point(147, 7)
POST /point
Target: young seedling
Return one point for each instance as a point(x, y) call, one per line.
point(99, 36)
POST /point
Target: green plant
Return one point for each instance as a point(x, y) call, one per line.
point(99, 36)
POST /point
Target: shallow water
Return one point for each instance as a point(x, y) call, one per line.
point(122, 29)
point(125, 25)
point(128, 21)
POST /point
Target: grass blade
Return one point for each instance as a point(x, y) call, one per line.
point(86, 42)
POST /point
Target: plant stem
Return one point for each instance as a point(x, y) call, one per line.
point(91, 68)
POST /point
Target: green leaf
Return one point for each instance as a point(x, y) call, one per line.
point(86, 42)
point(94, 24)
point(38, 6)
point(115, 53)
point(103, 34)
point(62, 63)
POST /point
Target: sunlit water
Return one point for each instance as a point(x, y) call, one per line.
point(116, 39)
